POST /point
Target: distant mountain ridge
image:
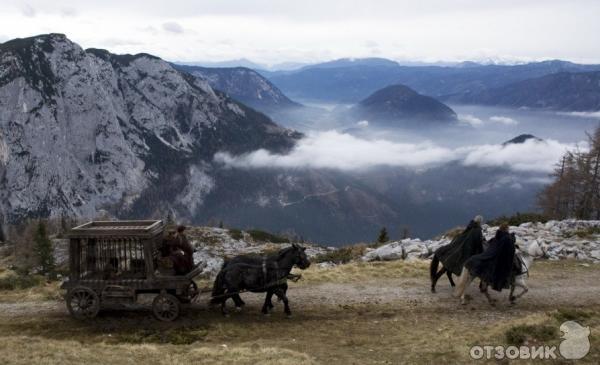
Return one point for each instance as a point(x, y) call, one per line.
point(559, 91)
point(352, 82)
point(244, 85)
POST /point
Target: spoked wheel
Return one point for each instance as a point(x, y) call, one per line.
point(83, 303)
point(191, 293)
point(166, 307)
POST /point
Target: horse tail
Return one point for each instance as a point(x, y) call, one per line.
point(433, 268)
point(218, 288)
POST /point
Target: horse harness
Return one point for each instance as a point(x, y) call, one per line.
point(276, 282)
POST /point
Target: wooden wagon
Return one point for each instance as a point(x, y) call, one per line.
point(112, 262)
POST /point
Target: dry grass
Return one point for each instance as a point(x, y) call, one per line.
point(354, 334)
point(43, 351)
point(365, 271)
point(46, 291)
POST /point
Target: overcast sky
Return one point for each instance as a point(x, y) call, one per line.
point(273, 31)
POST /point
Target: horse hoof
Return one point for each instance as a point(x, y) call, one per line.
point(288, 316)
point(238, 309)
point(267, 314)
point(433, 290)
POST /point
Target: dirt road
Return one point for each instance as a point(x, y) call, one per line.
point(353, 314)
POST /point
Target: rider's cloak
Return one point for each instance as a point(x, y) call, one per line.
point(454, 255)
point(495, 264)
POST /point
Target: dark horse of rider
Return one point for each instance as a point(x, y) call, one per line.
point(257, 274)
point(454, 255)
point(495, 266)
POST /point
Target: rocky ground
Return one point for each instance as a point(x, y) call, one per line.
point(568, 239)
point(554, 240)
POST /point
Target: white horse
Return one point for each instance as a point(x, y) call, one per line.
point(534, 251)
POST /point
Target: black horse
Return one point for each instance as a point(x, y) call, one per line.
point(260, 275)
point(435, 274)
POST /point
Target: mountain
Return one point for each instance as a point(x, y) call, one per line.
point(521, 138)
point(243, 62)
point(559, 91)
point(244, 85)
point(82, 130)
point(350, 83)
point(399, 102)
point(353, 62)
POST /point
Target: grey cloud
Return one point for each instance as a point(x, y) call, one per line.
point(173, 27)
point(503, 120)
point(28, 10)
point(68, 12)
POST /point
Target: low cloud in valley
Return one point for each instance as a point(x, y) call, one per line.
point(334, 150)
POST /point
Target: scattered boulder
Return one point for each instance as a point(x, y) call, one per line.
point(555, 240)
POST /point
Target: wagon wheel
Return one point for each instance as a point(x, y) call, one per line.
point(190, 294)
point(83, 303)
point(166, 307)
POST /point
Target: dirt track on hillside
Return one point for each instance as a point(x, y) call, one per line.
point(579, 288)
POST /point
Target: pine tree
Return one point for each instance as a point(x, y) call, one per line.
point(43, 249)
point(383, 236)
point(575, 191)
point(221, 224)
point(405, 232)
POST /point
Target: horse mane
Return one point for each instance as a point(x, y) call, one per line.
point(283, 252)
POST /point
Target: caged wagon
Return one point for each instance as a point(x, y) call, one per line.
point(111, 262)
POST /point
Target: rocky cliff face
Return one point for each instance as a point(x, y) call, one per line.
point(85, 129)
